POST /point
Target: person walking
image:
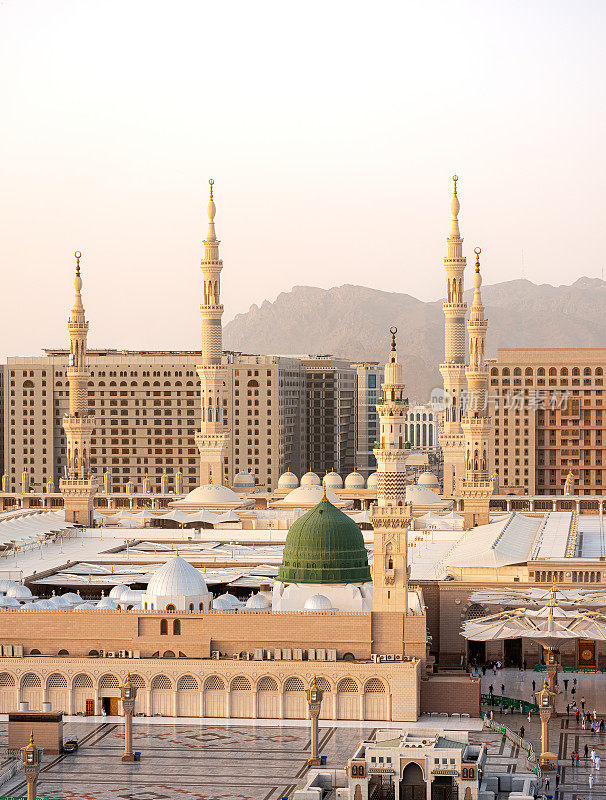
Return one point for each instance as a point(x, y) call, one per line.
point(586, 751)
point(595, 715)
point(577, 714)
point(590, 781)
point(597, 762)
point(522, 732)
point(502, 688)
point(602, 725)
point(565, 684)
point(582, 703)
point(547, 783)
point(524, 664)
point(567, 709)
point(534, 686)
point(592, 755)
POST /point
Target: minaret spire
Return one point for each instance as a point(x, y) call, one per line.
point(78, 485)
point(390, 516)
point(213, 437)
point(477, 488)
point(453, 366)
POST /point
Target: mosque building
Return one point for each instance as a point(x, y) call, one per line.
point(362, 635)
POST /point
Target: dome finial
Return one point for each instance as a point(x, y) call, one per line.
point(477, 251)
point(324, 498)
point(211, 210)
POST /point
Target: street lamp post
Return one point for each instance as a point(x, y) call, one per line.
point(31, 757)
point(128, 693)
point(314, 701)
point(546, 709)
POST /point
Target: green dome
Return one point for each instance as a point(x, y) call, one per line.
point(324, 546)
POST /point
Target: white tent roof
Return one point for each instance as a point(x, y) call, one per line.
point(497, 544)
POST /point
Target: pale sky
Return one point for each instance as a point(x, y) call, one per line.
point(331, 130)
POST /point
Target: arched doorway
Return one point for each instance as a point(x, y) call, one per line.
point(268, 698)
point(412, 783)
point(295, 702)
point(215, 697)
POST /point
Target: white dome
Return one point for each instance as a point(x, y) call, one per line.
point(107, 604)
point(355, 481)
point(332, 481)
point(209, 495)
point(288, 480)
point(427, 479)
point(258, 601)
point(317, 602)
point(371, 482)
point(60, 602)
point(310, 479)
point(86, 607)
point(235, 603)
point(422, 496)
point(44, 605)
point(177, 578)
point(306, 496)
point(5, 585)
point(116, 591)
point(244, 480)
point(10, 602)
point(72, 598)
point(19, 591)
point(222, 604)
point(131, 597)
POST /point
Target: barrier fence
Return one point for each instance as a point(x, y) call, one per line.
point(518, 706)
point(515, 739)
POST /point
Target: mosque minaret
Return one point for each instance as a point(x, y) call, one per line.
point(391, 516)
point(453, 367)
point(476, 488)
point(213, 437)
point(78, 486)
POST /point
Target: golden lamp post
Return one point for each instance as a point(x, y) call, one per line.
point(546, 709)
point(314, 701)
point(128, 693)
point(31, 757)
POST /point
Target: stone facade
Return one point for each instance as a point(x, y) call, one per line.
point(548, 407)
point(147, 411)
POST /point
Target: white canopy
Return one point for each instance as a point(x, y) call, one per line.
point(498, 544)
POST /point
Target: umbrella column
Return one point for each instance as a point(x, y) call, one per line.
point(545, 697)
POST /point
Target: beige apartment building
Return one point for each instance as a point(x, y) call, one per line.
point(147, 411)
point(547, 406)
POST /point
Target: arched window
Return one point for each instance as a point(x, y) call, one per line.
point(191, 607)
point(541, 371)
point(170, 607)
point(163, 627)
point(177, 627)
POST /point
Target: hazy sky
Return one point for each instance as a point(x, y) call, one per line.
point(331, 130)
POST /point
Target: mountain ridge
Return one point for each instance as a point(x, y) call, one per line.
point(352, 322)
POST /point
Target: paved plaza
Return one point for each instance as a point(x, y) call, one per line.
point(262, 760)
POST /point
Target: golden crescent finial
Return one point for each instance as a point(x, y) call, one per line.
point(77, 256)
point(211, 183)
point(455, 178)
point(393, 330)
point(477, 251)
